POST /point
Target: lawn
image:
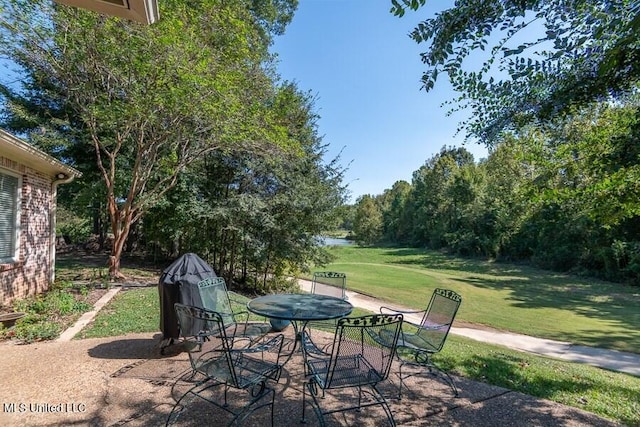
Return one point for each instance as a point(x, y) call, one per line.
point(609, 394)
point(503, 296)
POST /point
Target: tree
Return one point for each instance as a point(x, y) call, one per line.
point(434, 211)
point(256, 217)
point(506, 199)
point(545, 56)
point(367, 224)
point(395, 213)
point(147, 100)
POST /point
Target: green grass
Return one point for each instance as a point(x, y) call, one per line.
point(608, 394)
point(47, 314)
point(506, 297)
point(130, 311)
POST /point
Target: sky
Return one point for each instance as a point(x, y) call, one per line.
point(364, 70)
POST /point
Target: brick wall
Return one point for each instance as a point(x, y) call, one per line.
point(30, 275)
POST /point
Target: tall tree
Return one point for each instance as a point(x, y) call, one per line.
point(395, 213)
point(147, 100)
point(256, 217)
point(544, 56)
point(367, 224)
point(434, 211)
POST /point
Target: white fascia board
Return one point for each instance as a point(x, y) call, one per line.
point(144, 11)
point(18, 150)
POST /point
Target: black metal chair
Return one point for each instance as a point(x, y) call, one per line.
point(220, 360)
point(329, 283)
point(332, 284)
point(416, 346)
point(232, 307)
point(359, 359)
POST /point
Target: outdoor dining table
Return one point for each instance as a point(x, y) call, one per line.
point(299, 308)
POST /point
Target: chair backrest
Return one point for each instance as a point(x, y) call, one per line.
point(329, 283)
point(363, 350)
point(215, 297)
point(439, 317)
point(209, 347)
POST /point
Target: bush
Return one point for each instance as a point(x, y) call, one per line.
point(627, 260)
point(73, 228)
point(40, 330)
point(45, 314)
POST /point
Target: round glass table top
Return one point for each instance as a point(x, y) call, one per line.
point(300, 307)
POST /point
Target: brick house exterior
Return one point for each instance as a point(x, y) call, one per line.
point(31, 268)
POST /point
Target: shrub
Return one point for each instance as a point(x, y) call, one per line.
point(74, 228)
point(45, 313)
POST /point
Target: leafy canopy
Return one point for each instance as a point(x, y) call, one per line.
point(542, 57)
point(148, 101)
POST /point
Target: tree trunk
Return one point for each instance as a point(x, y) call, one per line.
point(245, 263)
point(116, 254)
point(232, 257)
point(114, 266)
point(120, 226)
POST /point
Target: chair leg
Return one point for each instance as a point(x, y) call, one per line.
point(240, 418)
point(370, 390)
point(385, 406)
point(313, 391)
point(401, 378)
point(180, 405)
point(447, 378)
point(187, 376)
point(304, 403)
point(433, 370)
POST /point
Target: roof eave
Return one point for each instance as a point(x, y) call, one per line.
point(144, 11)
point(19, 150)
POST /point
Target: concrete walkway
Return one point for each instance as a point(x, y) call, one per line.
point(88, 316)
point(628, 363)
point(613, 360)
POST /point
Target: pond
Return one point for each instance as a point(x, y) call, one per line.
point(332, 241)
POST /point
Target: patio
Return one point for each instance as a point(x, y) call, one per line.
point(125, 381)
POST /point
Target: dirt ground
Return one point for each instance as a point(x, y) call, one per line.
point(88, 272)
point(92, 267)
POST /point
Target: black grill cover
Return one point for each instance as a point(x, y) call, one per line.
point(178, 283)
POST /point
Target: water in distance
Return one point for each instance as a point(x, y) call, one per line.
point(332, 241)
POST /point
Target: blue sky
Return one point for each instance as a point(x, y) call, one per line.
point(359, 61)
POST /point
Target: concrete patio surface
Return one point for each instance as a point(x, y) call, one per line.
point(125, 381)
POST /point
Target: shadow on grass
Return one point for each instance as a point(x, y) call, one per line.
point(615, 303)
point(577, 387)
point(531, 288)
point(442, 261)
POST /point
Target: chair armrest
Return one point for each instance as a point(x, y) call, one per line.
point(435, 327)
point(383, 338)
point(274, 343)
point(243, 313)
point(405, 320)
point(238, 298)
point(389, 310)
point(310, 348)
point(238, 302)
point(242, 300)
point(273, 346)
